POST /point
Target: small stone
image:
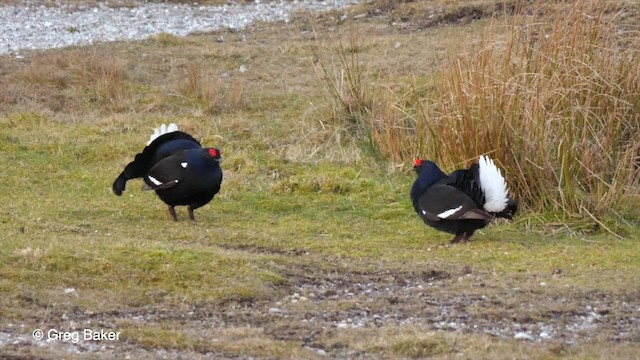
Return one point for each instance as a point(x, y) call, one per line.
point(276, 311)
point(397, 45)
point(523, 336)
point(467, 270)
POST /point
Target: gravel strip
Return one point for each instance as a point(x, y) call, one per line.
point(40, 27)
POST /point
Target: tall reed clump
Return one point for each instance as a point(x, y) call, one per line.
point(553, 96)
point(556, 101)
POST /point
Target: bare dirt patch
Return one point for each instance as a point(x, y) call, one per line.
point(318, 311)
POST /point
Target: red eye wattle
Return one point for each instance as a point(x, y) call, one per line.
point(214, 152)
point(417, 163)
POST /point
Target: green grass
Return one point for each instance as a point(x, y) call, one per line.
point(65, 229)
point(302, 203)
point(60, 203)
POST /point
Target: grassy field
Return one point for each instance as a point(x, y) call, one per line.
point(311, 249)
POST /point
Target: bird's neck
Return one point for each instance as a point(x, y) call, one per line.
point(422, 184)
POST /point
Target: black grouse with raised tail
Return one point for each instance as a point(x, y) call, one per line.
point(463, 201)
point(178, 168)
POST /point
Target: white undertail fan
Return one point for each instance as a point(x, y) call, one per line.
point(493, 186)
point(161, 130)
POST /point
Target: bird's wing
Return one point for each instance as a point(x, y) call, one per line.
point(445, 202)
point(166, 174)
point(467, 181)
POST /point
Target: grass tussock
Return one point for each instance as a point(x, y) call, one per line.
point(556, 102)
point(71, 82)
point(76, 81)
point(554, 96)
point(347, 83)
point(216, 94)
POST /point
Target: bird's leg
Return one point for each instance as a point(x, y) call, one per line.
point(190, 210)
point(172, 212)
point(460, 237)
point(468, 235)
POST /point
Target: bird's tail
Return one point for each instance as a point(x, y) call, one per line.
point(141, 163)
point(161, 130)
point(120, 184)
point(493, 185)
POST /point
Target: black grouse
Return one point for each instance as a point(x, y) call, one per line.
point(463, 201)
point(177, 167)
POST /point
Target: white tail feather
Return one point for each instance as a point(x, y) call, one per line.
point(161, 130)
point(493, 186)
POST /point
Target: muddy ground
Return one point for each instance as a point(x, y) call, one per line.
point(318, 308)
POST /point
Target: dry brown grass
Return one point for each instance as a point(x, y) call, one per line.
point(217, 94)
point(556, 102)
point(69, 82)
point(553, 95)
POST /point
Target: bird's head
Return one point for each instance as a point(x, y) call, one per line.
point(213, 154)
point(510, 210)
point(428, 172)
point(421, 164)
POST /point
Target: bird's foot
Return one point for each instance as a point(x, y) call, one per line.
point(460, 238)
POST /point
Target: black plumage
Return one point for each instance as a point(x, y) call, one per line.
point(455, 203)
point(175, 165)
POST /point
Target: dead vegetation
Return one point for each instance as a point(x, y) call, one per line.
point(552, 93)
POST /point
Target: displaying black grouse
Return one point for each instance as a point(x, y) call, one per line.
point(177, 167)
point(463, 201)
